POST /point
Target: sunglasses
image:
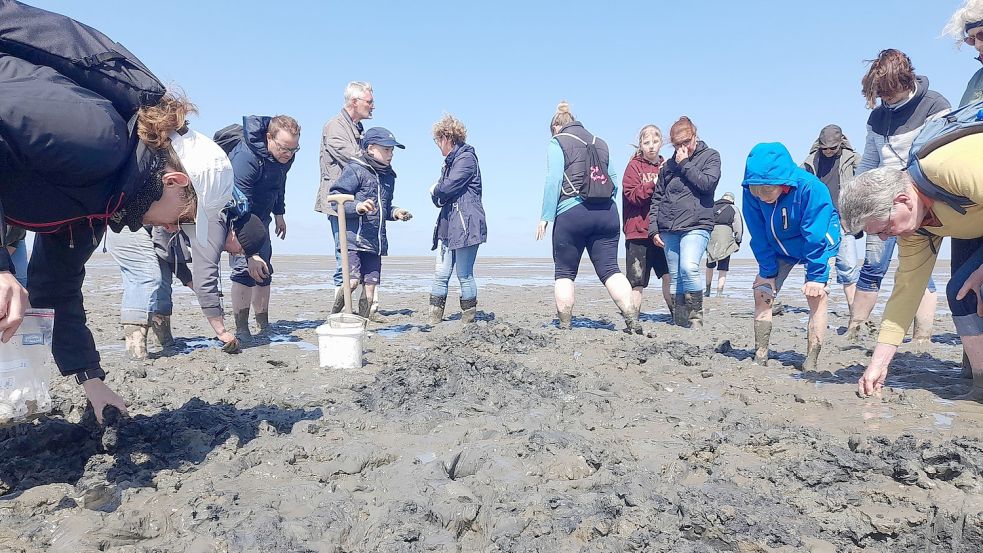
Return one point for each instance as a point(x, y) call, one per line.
point(974, 38)
point(833, 149)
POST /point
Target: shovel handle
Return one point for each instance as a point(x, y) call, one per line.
point(346, 284)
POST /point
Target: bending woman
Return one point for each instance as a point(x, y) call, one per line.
point(579, 225)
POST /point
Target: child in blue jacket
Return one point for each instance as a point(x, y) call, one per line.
point(371, 179)
point(792, 221)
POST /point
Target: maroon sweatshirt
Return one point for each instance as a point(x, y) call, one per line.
point(637, 184)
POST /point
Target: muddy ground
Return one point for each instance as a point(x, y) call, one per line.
point(506, 435)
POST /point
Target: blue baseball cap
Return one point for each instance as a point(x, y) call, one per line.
point(380, 136)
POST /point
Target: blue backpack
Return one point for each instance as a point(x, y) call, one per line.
point(952, 126)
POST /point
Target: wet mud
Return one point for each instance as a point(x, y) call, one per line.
point(506, 435)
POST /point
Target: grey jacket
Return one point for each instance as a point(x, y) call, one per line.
point(339, 144)
point(205, 267)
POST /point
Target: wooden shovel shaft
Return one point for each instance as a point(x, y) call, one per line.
point(346, 284)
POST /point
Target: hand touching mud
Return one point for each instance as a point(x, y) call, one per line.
point(100, 396)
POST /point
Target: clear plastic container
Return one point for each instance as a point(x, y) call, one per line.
point(26, 368)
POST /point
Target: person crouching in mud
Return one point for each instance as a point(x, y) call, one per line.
point(792, 221)
point(371, 179)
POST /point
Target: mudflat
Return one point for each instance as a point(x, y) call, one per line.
point(504, 435)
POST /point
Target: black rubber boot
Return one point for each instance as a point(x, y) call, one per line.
point(967, 367)
point(469, 308)
point(680, 317)
point(339, 300)
point(363, 307)
point(242, 324)
point(762, 337)
point(161, 325)
point(694, 309)
point(707, 291)
point(263, 322)
point(435, 314)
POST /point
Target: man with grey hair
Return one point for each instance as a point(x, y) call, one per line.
point(339, 144)
point(940, 195)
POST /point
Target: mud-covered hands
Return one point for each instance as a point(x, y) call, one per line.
point(100, 396)
point(873, 378)
point(814, 289)
point(401, 214)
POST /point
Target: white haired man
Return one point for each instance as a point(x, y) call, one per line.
point(943, 197)
point(339, 144)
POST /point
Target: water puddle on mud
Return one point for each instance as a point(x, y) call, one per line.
point(393, 332)
point(286, 340)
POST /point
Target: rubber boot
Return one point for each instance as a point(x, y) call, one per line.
point(566, 319)
point(777, 307)
point(339, 300)
point(707, 291)
point(812, 355)
point(680, 316)
point(263, 322)
point(762, 337)
point(363, 306)
point(967, 368)
point(374, 315)
point(242, 325)
point(161, 325)
point(436, 311)
point(469, 308)
point(136, 340)
point(694, 308)
point(632, 324)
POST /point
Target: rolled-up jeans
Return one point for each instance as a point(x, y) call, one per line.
point(461, 258)
point(877, 261)
point(684, 250)
point(847, 266)
point(146, 278)
point(964, 312)
point(19, 259)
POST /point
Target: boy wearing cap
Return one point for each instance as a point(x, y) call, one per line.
point(371, 179)
point(833, 160)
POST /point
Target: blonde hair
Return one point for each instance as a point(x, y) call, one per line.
point(647, 129)
point(156, 123)
point(562, 116)
point(891, 73)
point(682, 131)
point(971, 12)
point(450, 127)
point(283, 123)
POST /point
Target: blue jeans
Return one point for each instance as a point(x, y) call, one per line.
point(876, 263)
point(146, 278)
point(847, 267)
point(463, 259)
point(684, 250)
point(333, 219)
point(19, 259)
point(968, 323)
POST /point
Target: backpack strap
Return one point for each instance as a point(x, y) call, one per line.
point(931, 190)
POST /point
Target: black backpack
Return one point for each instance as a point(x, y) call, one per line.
point(229, 137)
point(597, 185)
point(86, 56)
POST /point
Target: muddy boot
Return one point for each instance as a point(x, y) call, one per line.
point(976, 392)
point(374, 315)
point(812, 356)
point(339, 300)
point(435, 313)
point(632, 324)
point(363, 307)
point(469, 308)
point(136, 340)
point(161, 325)
point(694, 308)
point(680, 317)
point(762, 337)
point(967, 368)
point(242, 325)
point(566, 319)
point(707, 291)
point(777, 307)
point(263, 322)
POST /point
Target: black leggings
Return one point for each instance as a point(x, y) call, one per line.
point(594, 227)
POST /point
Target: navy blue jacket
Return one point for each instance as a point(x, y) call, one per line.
point(367, 233)
point(258, 174)
point(461, 222)
point(68, 163)
point(684, 196)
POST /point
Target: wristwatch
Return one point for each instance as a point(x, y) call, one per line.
point(89, 374)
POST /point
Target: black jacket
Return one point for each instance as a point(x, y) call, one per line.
point(68, 162)
point(683, 199)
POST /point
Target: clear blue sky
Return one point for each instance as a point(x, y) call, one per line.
point(744, 72)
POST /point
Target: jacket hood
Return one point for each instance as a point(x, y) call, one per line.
point(846, 146)
point(254, 128)
point(723, 201)
point(770, 164)
point(656, 164)
point(921, 87)
point(458, 150)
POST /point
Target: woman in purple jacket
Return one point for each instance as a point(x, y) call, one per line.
point(460, 227)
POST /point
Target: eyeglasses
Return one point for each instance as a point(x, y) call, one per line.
point(973, 38)
point(286, 149)
point(369, 102)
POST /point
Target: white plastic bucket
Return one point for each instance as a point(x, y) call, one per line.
point(339, 341)
point(26, 369)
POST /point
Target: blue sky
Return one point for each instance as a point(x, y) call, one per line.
point(744, 72)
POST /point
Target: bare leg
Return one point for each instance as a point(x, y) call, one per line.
point(563, 291)
point(708, 281)
point(818, 318)
point(762, 326)
point(974, 350)
point(921, 334)
point(261, 307)
point(667, 291)
point(241, 296)
point(721, 282)
point(863, 304)
point(849, 290)
point(636, 298)
point(620, 291)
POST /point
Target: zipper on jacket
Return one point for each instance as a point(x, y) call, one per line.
point(775, 234)
point(461, 215)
